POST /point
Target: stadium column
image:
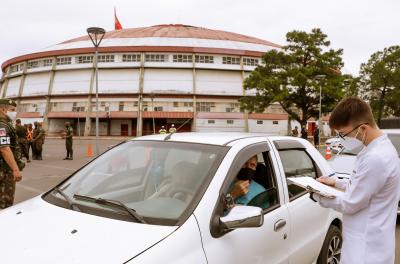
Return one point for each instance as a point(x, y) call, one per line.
point(49, 92)
point(194, 93)
point(139, 122)
point(5, 83)
point(21, 84)
point(246, 113)
point(88, 121)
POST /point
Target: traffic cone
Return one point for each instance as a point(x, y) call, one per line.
point(89, 151)
point(328, 153)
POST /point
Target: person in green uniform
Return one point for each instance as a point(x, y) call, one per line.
point(22, 139)
point(10, 163)
point(38, 140)
point(69, 132)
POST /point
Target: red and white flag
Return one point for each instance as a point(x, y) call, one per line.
point(117, 25)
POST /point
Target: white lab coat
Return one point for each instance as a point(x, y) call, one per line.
point(369, 205)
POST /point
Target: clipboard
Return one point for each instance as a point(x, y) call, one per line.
point(312, 185)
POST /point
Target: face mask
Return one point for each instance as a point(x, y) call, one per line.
point(246, 174)
point(12, 115)
point(351, 143)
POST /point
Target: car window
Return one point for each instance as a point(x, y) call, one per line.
point(297, 163)
point(262, 190)
point(395, 138)
point(160, 180)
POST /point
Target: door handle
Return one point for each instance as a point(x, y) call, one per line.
point(279, 224)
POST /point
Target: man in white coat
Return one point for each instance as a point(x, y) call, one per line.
point(369, 204)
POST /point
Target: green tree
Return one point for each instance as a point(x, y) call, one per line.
point(380, 82)
point(292, 77)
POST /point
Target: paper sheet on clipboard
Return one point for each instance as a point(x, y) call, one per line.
point(313, 185)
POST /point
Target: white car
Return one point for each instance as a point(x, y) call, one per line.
point(343, 162)
point(164, 199)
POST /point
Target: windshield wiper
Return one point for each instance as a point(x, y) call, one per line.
point(114, 203)
point(72, 205)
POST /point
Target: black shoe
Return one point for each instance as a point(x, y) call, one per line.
point(70, 158)
point(66, 158)
point(28, 161)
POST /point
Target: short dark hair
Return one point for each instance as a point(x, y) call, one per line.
point(351, 110)
point(18, 121)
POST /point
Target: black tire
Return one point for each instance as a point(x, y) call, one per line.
point(332, 247)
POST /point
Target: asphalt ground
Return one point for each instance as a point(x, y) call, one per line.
point(41, 175)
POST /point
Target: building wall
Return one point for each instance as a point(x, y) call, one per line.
point(268, 126)
point(220, 125)
point(72, 82)
point(36, 84)
point(116, 127)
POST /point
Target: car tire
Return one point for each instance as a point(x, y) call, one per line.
point(332, 247)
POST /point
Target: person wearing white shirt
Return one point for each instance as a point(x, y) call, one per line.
point(369, 203)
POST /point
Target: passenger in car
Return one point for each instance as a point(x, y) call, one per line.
point(244, 188)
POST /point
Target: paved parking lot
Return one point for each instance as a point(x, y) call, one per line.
point(40, 176)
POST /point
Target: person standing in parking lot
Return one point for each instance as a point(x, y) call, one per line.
point(69, 132)
point(22, 141)
point(304, 133)
point(369, 204)
point(38, 140)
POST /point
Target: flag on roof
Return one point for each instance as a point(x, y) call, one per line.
point(117, 24)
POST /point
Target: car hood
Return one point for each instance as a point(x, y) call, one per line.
point(343, 163)
point(38, 232)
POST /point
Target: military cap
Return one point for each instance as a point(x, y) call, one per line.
point(9, 102)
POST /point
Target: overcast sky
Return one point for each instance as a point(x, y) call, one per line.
point(360, 27)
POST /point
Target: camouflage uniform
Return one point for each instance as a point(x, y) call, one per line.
point(68, 141)
point(38, 141)
point(8, 138)
point(22, 141)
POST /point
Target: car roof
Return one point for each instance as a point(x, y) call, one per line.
point(391, 131)
point(213, 138)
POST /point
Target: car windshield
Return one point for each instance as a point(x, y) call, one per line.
point(157, 179)
point(395, 138)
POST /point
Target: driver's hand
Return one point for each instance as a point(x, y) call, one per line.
point(327, 181)
point(240, 188)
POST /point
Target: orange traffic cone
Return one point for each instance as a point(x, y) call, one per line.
point(328, 153)
point(89, 151)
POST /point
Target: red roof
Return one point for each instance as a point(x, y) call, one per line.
point(178, 31)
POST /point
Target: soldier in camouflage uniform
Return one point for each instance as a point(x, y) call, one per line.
point(38, 140)
point(69, 132)
point(22, 141)
point(10, 163)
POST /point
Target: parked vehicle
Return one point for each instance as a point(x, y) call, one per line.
point(343, 163)
point(164, 199)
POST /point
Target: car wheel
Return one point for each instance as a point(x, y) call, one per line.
point(332, 247)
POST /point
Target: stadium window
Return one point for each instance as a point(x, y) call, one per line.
point(106, 58)
point(84, 59)
point(131, 58)
point(156, 57)
point(204, 106)
point(47, 62)
point(63, 60)
point(231, 60)
point(135, 104)
point(204, 59)
point(121, 106)
point(275, 122)
point(188, 104)
point(176, 104)
point(250, 61)
point(182, 58)
point(33, 64)
point(229, 122)
point(15, 68)
point(211, 121)
point(158, 108)
point(260, 122)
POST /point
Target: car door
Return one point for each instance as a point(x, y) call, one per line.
point(265, 244)
point(308, 220)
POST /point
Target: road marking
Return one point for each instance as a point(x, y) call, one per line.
point(54, 167)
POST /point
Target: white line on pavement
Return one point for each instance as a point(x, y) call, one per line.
point(54, 167)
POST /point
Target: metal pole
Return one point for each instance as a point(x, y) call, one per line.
point(79, 126)
point(152, 106)
point(97, 103)
point(319, 119)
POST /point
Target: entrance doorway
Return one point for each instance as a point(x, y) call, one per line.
point(124, 129)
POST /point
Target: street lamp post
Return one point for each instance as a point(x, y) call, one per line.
point(96, 35)
point(152, 108)
point(319, 77)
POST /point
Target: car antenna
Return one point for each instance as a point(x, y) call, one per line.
point(168, 137)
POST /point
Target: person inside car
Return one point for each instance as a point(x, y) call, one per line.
point(244, 188)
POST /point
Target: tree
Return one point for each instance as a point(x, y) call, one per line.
point(291, 77)
point(380, 82)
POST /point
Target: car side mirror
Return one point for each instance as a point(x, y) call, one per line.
point(241, 216)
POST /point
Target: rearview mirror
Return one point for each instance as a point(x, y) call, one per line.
point(241, 216)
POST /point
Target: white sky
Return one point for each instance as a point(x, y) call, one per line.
point(360, 27)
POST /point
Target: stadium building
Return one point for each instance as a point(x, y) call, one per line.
point(148, 77)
